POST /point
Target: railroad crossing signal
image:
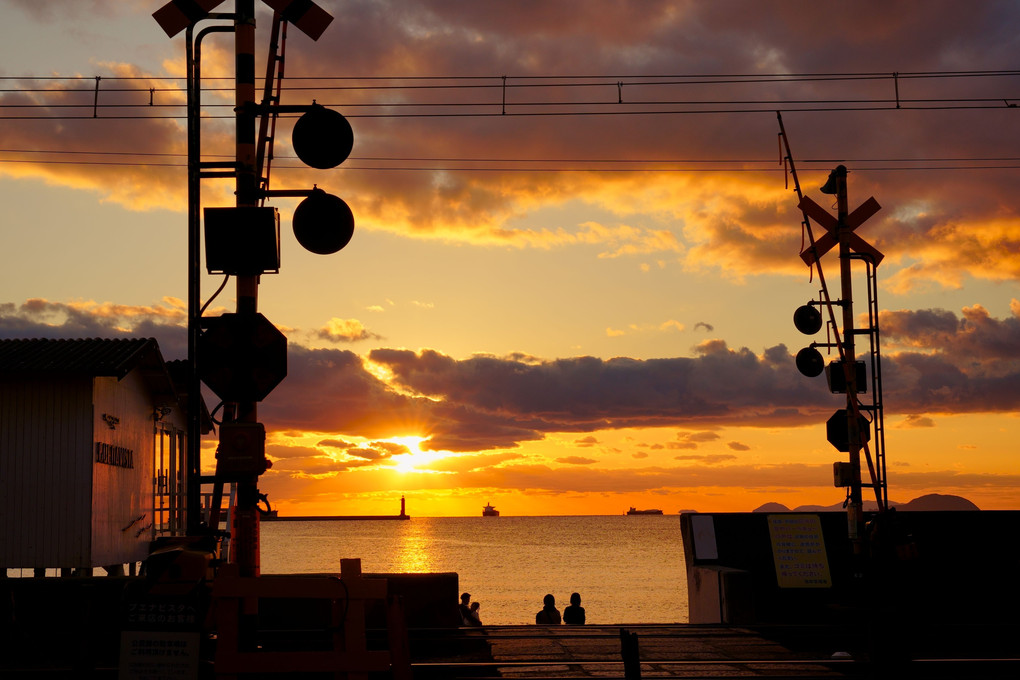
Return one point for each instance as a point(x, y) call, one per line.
point(242, 356)
point(175, 16)
point(309, 18)
point(837, 430)
point(831, 236)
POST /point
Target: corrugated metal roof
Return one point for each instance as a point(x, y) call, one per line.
point(88, 356)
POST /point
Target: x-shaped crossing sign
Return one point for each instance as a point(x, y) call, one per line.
point(831, 236)
point(308, 17)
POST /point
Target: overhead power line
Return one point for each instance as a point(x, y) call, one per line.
point(77, 97)
point(529, 164)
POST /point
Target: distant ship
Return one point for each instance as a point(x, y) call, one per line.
point(489, 511)
point(653, 511)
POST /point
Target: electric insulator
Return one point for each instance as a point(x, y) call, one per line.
point(322, 138)
point(323, 223)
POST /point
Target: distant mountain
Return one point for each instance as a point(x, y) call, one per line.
point(937, 501)
point(929, 502)
point(869, 506)
point(772, 507)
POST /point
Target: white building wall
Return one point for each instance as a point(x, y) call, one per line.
point(122, 470)
point(45, 471)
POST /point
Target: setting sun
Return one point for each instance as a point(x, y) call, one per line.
point(409, 462)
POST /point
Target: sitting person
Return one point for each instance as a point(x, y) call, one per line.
point(465, 610)
point(549, 615)
point(574, 614)
point(476, 618)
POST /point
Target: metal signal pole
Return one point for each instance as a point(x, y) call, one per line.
point(245, 538)
point(241, 356)
point(855, 506)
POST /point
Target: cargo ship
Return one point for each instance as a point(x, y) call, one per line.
point(652, 511)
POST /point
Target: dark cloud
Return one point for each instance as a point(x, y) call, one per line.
point(738, 446)
point(708, 459)
point(587, 393)
point(487, 402)
point(336, 443)
point(964, 364)
point(697, 437)
point(374, 451)
point(71, 12)
point(977, 336)
point(309, 462)
point(753, 231)
point(345, 331)
point(38, 318)
point(914, 420)
point(582, 479)
point(949, 224)
point(576, 460)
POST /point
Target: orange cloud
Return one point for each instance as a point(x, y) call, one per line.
point(345, 330)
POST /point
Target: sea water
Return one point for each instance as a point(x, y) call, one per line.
point(626, 569)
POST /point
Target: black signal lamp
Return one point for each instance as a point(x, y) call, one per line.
point(810, 362)
point(323, 223)
point(322, 138)
point(807, 319)
point(831, 185)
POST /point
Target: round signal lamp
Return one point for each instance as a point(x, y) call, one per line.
point(323, 223)
point(322, 138)
point(807, 319)
point(810, 362)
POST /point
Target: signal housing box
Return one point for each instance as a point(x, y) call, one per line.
point(836, 377)
point(242, 241)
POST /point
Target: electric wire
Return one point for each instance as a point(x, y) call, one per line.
point(460, 107)
point(534, 164)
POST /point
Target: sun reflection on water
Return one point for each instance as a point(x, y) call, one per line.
point(414, 549)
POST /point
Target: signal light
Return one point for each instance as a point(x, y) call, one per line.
point(810, 362)
point(323, 223)
point(807, 319)
point(322, 138)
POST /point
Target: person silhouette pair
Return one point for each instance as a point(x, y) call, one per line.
point(469, 615)
point(550, 615)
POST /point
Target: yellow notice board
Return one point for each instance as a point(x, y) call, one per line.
point(799, 551)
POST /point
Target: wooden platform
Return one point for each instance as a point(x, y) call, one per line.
point(688, 651)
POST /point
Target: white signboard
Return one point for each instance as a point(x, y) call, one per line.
point(157, 655)
point(798, 549)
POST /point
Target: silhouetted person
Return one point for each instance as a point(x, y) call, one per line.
point(549, 615)
point(476, 618)
point(465, 610)
point(574, 614)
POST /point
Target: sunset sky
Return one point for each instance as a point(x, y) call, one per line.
point(576, 260)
